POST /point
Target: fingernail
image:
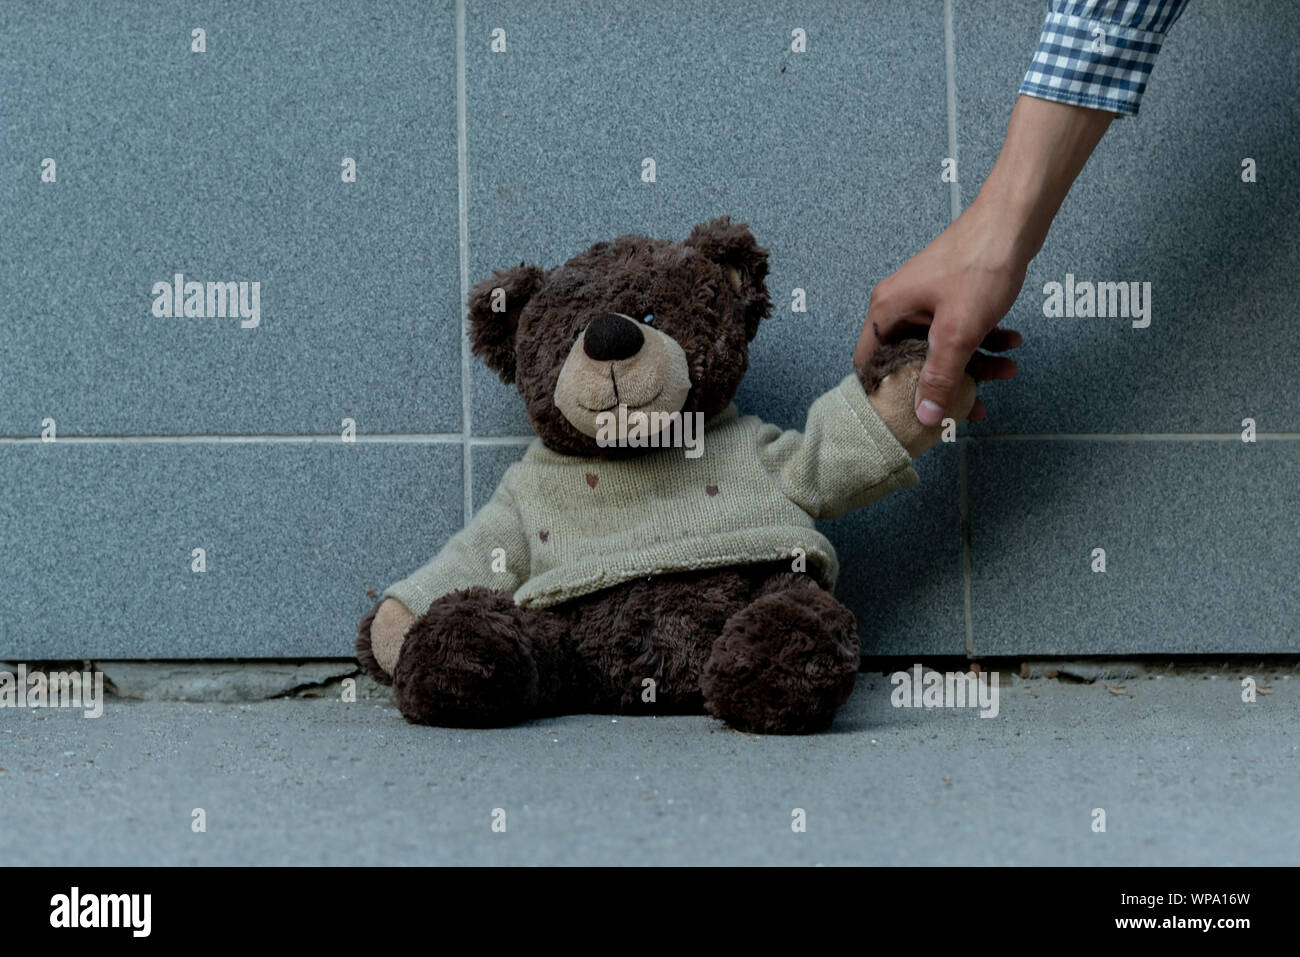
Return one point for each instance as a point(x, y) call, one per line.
point(929, 413)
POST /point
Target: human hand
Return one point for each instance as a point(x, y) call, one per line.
point(890, 379)
point(957, 289)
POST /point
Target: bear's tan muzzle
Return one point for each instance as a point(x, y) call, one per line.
point(617, 361)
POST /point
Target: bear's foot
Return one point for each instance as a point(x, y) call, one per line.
point(379, 638)
point(365, 650)
point(472, 661)
point(785, 663)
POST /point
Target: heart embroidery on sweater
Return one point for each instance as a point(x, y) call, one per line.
point(543, 535)
point(592, 479)
point(712, 490)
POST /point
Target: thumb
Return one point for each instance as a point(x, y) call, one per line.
point(941, 378)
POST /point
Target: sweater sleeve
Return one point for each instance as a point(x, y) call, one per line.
point(845, 458)
point(490, 551)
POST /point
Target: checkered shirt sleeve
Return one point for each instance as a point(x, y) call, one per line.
point(1099, 53)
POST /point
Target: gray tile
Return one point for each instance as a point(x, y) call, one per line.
point(1200, 542)
point(1161, 201)
point(832, 155)
point(226, 166)
point(901, 564)
point(97, 540)
point(900, 559)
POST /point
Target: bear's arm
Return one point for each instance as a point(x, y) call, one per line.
point(491, 551)
point(845, 457)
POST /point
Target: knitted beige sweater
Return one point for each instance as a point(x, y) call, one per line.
point(561, 526)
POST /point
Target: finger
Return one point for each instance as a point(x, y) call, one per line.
point(895, 300)
point(1000, 340)
point(945, 365)
point(878, 330)
point(985, 367)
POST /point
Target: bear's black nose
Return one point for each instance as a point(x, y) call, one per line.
point(611, 337)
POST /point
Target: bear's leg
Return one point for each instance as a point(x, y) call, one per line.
point(786, 662)
point(640, 647)
point(475, 659)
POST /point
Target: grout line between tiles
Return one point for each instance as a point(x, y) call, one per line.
point(462, 204)
point(1136, 437)
point(502, 439)
point(409, 438)
point(950, 82)
point(967, 574)
point(452, 438)
point(954, 199)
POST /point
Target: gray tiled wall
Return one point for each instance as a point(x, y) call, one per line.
point(176, 434)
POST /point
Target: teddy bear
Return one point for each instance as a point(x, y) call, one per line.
point(607, 575)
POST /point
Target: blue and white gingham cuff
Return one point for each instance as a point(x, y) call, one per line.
point(1095, 63)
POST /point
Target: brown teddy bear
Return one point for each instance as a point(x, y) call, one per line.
point(631, 562)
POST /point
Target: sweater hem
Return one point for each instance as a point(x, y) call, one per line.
point(584, 579)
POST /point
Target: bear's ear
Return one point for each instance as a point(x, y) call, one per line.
point(732, 246)
point(494, 308)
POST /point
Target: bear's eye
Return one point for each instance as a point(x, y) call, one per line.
point(648, 318)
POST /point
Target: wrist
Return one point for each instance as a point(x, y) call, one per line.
point(1016, 215)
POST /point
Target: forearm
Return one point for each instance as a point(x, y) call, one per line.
point(1092, 63)
point(1046, 147)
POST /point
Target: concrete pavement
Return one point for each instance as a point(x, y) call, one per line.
point(1185, 771)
